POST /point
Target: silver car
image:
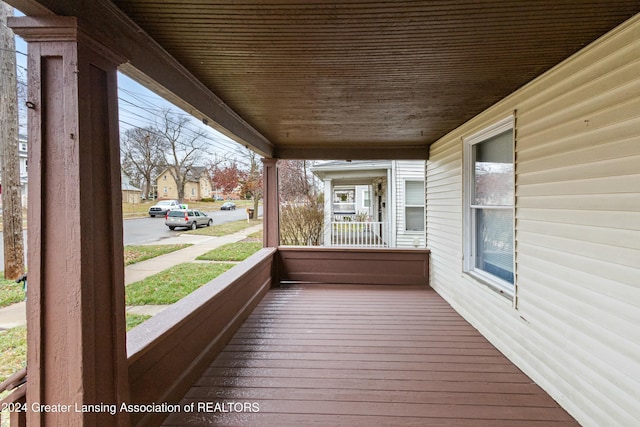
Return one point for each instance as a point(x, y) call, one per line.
point(187, 218)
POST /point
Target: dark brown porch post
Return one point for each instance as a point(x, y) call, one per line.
point(271, 209)
point(75, 309)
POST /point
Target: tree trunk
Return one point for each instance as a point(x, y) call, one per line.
point(256, 201)
point(10, 169)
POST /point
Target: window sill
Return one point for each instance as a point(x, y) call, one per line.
point(501, 287)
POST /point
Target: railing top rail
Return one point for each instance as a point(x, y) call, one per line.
point(15, 382)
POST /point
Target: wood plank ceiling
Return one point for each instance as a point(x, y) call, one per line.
point(335, 79)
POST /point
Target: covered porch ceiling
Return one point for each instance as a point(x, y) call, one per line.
point(347, 79)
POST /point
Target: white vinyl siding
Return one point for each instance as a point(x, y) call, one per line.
point(407, 171)
point(574, 326)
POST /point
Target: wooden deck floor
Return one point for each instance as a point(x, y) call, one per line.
point(358, 355)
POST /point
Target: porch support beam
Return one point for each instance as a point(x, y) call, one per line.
point(271, 204)
point(328, 211)
point(75, 306)
point(348, 151)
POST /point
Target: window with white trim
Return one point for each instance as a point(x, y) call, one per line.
point(489, 205)
point(414, 198)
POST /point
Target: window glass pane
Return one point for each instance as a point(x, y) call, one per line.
point(493, 171)
point(494, 242)
point(414, 193)
point(414, 218)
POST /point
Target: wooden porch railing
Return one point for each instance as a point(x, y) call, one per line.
point(364, 234)
point(168, 353)
point(383, 266)
point(16, 400)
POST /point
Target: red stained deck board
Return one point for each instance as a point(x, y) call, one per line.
point(368, 384)
point(359, 355)
point(296, 420)
point(369, 395)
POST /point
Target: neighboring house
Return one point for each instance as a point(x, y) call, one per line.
point(219, 194)
point(373, 203)
point(197, 187)
point(24, 168)
point(130, 193)
point(23, 165)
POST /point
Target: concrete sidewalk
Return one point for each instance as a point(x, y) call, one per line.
point(15, 315)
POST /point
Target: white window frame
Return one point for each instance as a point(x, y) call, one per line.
point(502, 286)
point(406, 205)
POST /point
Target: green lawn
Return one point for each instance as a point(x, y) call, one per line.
point(13, 351)
point(133, 253)
point(238, 251)
point(226, 228)
point(134, 320)
point(172, 284)
point(10, 292)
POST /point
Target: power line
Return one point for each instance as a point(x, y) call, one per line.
point(153, 132)
point(223, 142)
point(217, 140)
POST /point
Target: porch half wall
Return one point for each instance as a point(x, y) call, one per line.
point(401, 267)
point(574, 324)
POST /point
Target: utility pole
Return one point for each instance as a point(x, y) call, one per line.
point(10, 170)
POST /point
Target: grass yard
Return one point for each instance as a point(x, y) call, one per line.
point(226, 228)
point(10, 292)
point(134, 320)
point(137, 253)
point(238, 251)
point(13, 351)
point(172, 284)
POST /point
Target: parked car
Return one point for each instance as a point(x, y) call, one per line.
point(164, 206)
point(187, 218)
point(228, 206)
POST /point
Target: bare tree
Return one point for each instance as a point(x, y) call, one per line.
point(142, 155)
point(10, 170)
point(295, 183)
point(184, 148)
point(251, 182)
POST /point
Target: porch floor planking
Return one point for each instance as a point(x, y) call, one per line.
point(365, 355)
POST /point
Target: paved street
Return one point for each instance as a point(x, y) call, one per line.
point(149, 230)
